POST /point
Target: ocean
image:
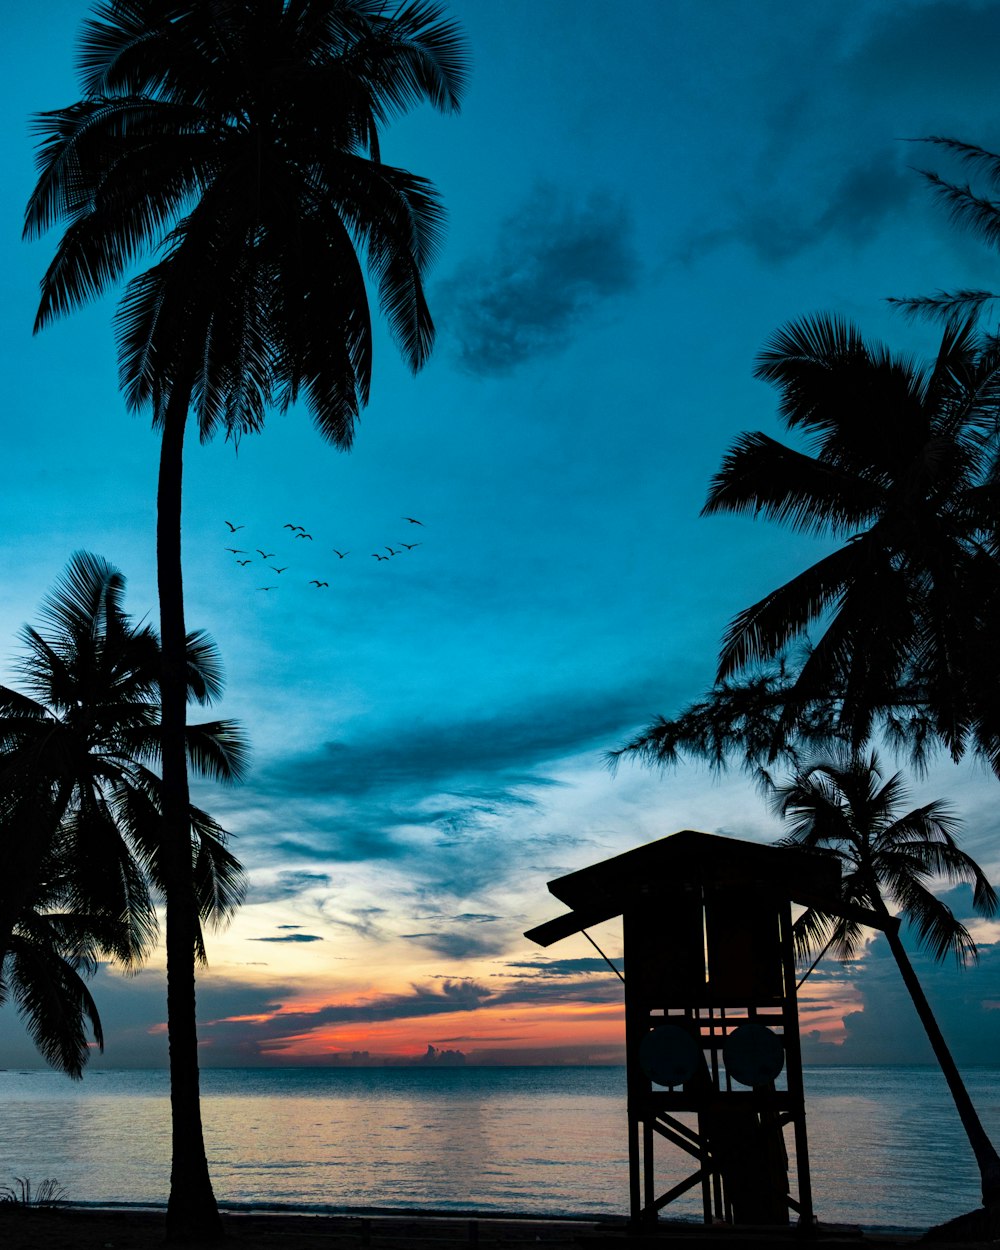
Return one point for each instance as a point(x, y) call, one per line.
point(886, 1147)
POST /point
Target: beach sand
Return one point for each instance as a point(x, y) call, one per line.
point(76, 1229)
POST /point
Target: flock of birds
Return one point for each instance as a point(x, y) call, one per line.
point(300, 532)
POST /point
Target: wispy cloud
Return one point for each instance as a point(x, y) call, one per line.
point(460, 943)
point(486, 755)
point(854, 207)
point(555, 261)
point(564, 967)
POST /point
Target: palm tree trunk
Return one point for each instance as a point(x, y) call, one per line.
point(984, 1150)
point(192, 1213)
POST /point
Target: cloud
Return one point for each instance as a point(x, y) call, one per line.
point(256, 1030)
point(284, 885)
point(565, 967)
point(423, 1001)
point(435, 1058)
point(459, 944)
point(439, 803)
point(852, 209)
point(887, 1029)
point(951, 44)
point(289, 937)
point(554, 263)
point(486, 756)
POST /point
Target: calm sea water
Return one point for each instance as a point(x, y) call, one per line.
point(886, 1146)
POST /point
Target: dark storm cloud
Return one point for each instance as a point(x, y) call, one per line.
point(554, 263)
point(289, 937)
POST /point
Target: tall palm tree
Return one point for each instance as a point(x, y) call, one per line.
point(81, 804)
point(844, 807)
point(241, 139)
point(899, 468)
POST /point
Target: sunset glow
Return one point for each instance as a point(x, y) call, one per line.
point(636, 198)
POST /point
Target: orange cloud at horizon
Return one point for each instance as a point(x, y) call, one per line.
point(572, 1031)
point(528, 1027)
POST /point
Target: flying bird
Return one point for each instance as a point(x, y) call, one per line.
point(267, 588)
point(410, 546)
point(303, 534)
point(340, 553)
point(237, 551)
point(378, 557)
point(243, 563)
point(317, 584)
point(391, 552)
point(412, 520)
point(289, 526)
point(268, 555)
point(279, 570)
point(233, 528)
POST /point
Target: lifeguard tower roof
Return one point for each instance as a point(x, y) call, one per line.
point(688, 858)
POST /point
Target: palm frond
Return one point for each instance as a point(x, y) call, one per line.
point(762, 477)
point(943, 306)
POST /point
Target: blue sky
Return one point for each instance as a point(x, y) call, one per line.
point(637, 199)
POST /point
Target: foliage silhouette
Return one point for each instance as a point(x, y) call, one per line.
point(47, 1193)
point(242, 141)
point(80, 804)
point(901, 468)
point(842, 806)
point(970, 210)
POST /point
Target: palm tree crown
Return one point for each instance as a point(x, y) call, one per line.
point(846, 808)
point(80, 801)
point(900, 469)
point(241, 138)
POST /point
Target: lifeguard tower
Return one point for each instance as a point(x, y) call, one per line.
point(711, 1020)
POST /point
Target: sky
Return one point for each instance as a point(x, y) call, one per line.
point(637, 198)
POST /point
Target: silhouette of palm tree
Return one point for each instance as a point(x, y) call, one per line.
point(842, 806)
point(81, 805)
point(243, 141)
point(46, 950)
point(976, 210)
point(901, 468)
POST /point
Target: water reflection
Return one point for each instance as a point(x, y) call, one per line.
point(528, 1152)
point(886, 1146)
